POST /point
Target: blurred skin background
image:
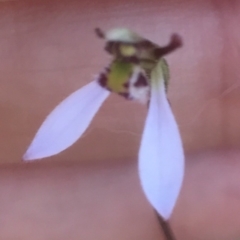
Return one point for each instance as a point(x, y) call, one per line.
point(48, 49)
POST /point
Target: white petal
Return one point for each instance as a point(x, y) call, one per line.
point(67, 122)
point(161, 157)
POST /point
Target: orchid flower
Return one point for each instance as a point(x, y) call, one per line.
point(137, 72)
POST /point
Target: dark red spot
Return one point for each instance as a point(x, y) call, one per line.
point(126, 95)
point(126, 85)
point(141, 81)
point(102, 80)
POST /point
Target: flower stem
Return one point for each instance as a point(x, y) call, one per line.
point(167, 231)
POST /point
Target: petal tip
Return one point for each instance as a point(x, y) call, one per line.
point(165, 214)
point(27, 157)
point(30, 156)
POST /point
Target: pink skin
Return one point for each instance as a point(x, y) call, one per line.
point(47, 50)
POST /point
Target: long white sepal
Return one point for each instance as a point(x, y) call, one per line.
point(161, 157)
point(67, 122)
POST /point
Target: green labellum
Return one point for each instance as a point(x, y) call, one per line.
point(118, 76)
